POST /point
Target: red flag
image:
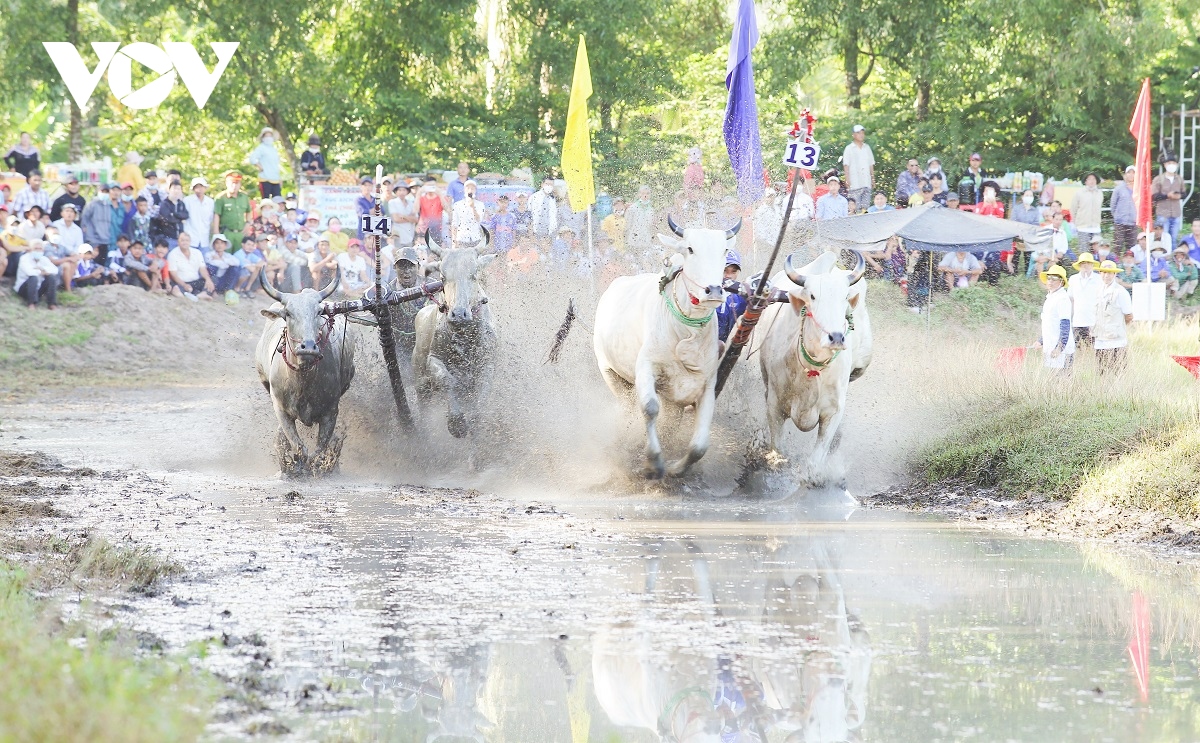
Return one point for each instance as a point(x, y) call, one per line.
point(1139, 127)
point(1191, 363)
point(1011, 360)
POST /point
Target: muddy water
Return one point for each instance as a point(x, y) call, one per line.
point(359, 610)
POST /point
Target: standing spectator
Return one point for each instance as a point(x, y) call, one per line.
point(403, 211)
point(188, 272)
point(908, 182)
point(456, 188)
point(960, 269)
point(224, 268)
point(70, 235)
point(172, 214)
point(522, 215)
point(431, 207)
point(613, 226)
point(201, 208)
point(231, 210)
point(1025, 211)
point(95, 220)
point(1085, 210)
point(881, 204)
point(139, 221)
point(1183, 274)
point(1084, 291)
point(1192, 241)
point(503, 226)
point(1124, 212)
point(465, 217)
point(23, 157)
point(31, 195)
point(71, 196)
point(919, 286)
point(1056, 341)
point(1167, 193)
point(859, 163)
point(339, 241)
point(37, 277)
point(1114, 310)
point(833, 205)
point(152, 192)
point(312, 162)
point(131, 171)
point(989, 206)
point(265, 157)
point(365, 203)
point(970, 185)
point(356, 277)
point(693, 173)
point(544, 223)
point(1056, 250)
point(639, 223)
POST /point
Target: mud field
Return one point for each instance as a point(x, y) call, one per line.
point(547, 594)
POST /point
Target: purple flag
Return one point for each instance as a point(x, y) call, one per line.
point(741, 112)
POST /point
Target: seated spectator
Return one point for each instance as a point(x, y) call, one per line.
point(254, 262)
point(1131, 272)
point(924, 193)
point(322, 264)
point(139, 269)
point(114, 269)
point(832, 205)
point(939, 188)
point(1056, 251)
point(356, 277)
point(223, 267)
point(87, 271)
point(888, 263)
point(339, 241)
point(69, 234)
point(880, 203)
point(1159, 268)
point(1183, 273)
point(188, 273)
point(295, 270)
point(919, 281)
point(158, 262)
point(989, 206)
point(37, 277)
point(32, 227)
point(960, 269)
point(952, 201)
point(66, 260)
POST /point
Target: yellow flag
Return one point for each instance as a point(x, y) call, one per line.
point(577, 143)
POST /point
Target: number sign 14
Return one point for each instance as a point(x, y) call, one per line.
point(372, 225)
point(801, 154)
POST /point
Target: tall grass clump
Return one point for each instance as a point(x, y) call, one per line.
point(1131, 439)
point(53, 691)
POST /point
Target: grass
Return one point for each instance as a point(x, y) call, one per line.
point(55, 691)
point(1007, 310)
point(1130, 441)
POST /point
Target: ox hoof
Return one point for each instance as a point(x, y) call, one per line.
point(654, 469)
point(457, 425)
point(326, 460)
point(680, 467)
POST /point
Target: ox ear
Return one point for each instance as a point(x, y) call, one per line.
point(483, 260)
point(275, 312)
point(797, 299)
point(431, 268)
point(670, 242)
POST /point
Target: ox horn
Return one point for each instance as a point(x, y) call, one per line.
point(859, 269)
point(487, 240)
point(796, 277)
point(732, 231)
point(271, 291)
point(674, 227)
point(332, 286)
point(433, 246)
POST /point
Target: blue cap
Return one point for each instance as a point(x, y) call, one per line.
point(732, 258)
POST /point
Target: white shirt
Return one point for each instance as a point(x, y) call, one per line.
point(199, 222)
point(803, 208)
point(69, 237)
point(403, 207)
point(766, 222)
point(1055, 309)
point(185, 267)
point(465, 216)
point(1084, 294)
point(1111, 308)
point(858, 162)
point(354, 270)
point(30, 266)
point(221, 262)
point(545, 214)
point(1059, 241)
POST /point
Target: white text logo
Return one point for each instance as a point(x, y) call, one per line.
point(173, 57)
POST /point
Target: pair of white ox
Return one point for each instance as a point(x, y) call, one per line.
point(661, 339)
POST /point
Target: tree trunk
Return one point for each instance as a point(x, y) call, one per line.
point(924, 93)
point(275, 120)
point(850, 66)
point(1031, 121)
point(75, 141)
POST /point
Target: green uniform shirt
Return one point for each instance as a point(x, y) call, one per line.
point(231, 212)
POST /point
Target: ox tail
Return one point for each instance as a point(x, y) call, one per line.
point(561, 336)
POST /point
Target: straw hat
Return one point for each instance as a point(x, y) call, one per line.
point(1085, 258)
point(1109, 267)
point(1058, 271)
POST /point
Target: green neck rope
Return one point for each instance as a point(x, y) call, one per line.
point(804, 351)
point(691, 322)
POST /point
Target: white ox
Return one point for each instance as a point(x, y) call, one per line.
point(306, 367)
point(662, 338)
point(812, 347)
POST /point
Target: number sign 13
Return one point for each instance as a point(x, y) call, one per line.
point(801, 154)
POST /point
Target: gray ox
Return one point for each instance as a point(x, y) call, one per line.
point(306, 367)
point(456, 342)
point(812, 347)
point(658, 335)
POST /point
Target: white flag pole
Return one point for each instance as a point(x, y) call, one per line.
point(592, 250)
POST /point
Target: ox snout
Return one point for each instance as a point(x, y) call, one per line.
point(460, 314)
point(714, 291)
point(308, 348)
point(836, 341)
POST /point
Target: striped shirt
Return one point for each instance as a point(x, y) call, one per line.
point(27, 198)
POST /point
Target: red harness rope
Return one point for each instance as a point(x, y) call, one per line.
point(322, 342)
